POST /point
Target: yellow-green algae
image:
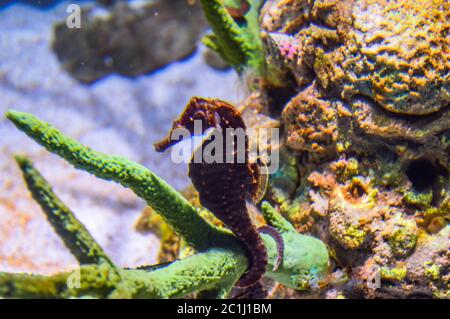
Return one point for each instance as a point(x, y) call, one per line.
point(401, 234)
point(418, 199)
point(346, 169)
point(432, 270)
point(353, 236)
point(217, 265)
point(397, 273)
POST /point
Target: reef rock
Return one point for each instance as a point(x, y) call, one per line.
point(128, 38)
point(367, 119)
point(396, 53)
point(374, 72)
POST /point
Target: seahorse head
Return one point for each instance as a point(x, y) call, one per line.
point(200, 115)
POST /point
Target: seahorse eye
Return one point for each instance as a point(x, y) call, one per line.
point(199, 115)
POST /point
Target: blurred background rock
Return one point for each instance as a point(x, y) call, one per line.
point(128, 38)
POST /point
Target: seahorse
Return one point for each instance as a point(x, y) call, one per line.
point(224, 186)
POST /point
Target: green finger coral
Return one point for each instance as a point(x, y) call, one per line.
point(76, 237)
point(239, 44)
point(218, 264)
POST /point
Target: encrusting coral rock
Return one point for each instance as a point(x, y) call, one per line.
point(368, 119)
point(311, 124)
point(402, 60)
point(401, 234)
point(394, 52)
point(430, 263)
point(387, 62)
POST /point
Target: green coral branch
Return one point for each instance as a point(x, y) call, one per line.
point(75, 236)
point(30, 286)
point(240, 46)
point(272, 217)
point(227, 34)
point(214, 269)
point(96, 281)
point(210, 41)
point(177, 212)
point(305, 261)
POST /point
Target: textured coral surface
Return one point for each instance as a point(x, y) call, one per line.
point(402, 60)
point(367, 123)
point(397, 53)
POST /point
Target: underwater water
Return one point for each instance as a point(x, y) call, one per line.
point(116, 114)
point(348, 198)
point(43, 4)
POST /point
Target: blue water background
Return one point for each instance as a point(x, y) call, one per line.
point(43, 4)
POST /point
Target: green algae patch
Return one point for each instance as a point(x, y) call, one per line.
point(402, 235)
point(397, 273)
point(419, 200)
point(432, 270)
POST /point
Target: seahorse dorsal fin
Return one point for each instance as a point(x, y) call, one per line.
point(260, 180)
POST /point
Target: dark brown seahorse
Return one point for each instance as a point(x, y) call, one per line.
point(225, 187)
